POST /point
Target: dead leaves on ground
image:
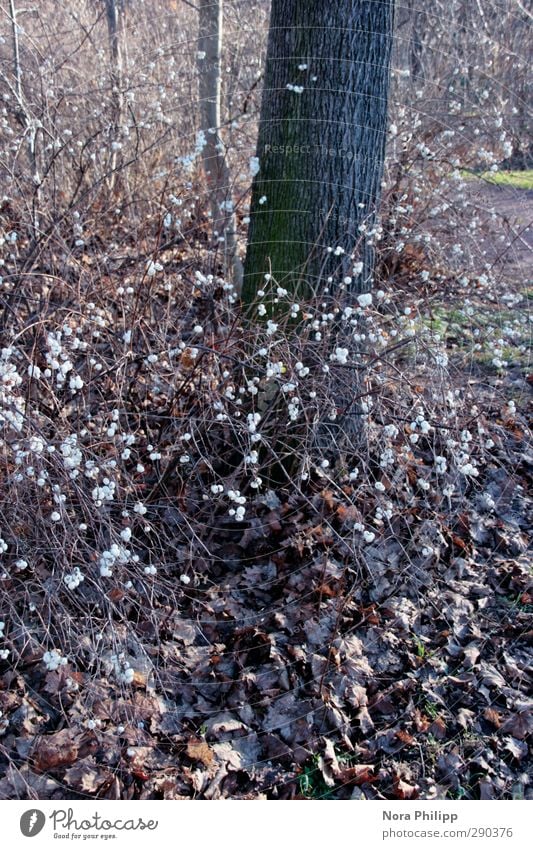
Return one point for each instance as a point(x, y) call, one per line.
point(306, 663)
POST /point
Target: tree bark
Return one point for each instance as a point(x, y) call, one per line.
point(321, 144)
point(114, 13)
point(28, 122)
point(215, 166)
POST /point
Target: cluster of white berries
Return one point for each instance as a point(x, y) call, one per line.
point(364, 300)
point(253, 420)
point(73, 579)
point(391, 431)
point(115, 555)
point(301, 370)
point(152, 268)
point(71, 454)
point(4, 653)
point(419, 426)
point(122, 668)
point(340, 356)
point(104, 492)
point(440, 464)
point(11, 403)
point(53, 659)
point(468, 469)
point(237, 512)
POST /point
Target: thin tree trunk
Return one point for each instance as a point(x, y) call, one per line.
point(31, 126)
point(321, 144)
point(17, 72)
point(215, 165)
point(114, 26)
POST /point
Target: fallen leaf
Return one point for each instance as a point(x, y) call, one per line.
point(492, 716)
point(520, 725)
point(365, 720)
point(517, 748)
point(198, 750)
point(403, 790)
point(465, 718)
point(55, 750)
point(86, 776)
point(358, 774)
point(405, 738)
point(438, 728)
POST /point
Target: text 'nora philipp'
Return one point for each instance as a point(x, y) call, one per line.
point(426, 816)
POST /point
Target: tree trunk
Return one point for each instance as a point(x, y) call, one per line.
point(114, 13)
point(31, 125)
point(215, 166)
point(321, 144)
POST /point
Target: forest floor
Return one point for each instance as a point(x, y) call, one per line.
point(299, 663)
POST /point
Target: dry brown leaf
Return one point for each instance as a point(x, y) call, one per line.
point(358, 774)
point(365, 720)
point(327, 591)
point(465, 718)
point(438, 728)
point(17, 783)
point(86, 776)
point(492, 716)
point(55, 750)
point(421, 721)
point(403, 790)
point(139, 679)
point(348, 513)
point(520, 725)
point(198, 750)
point(405, 738)
point(187, 359)
point(517, 748)
point(329, 499)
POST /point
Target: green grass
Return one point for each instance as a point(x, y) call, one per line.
point(432, 710)
point(516, 603)
point(515, 179)
point(420, 647)
point(311, 781)
point(489, 321)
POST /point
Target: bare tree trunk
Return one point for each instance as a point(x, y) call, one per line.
point(321, 144)
point(31, 126)
point(215, 165)
point(17, 73)
point(114, 14)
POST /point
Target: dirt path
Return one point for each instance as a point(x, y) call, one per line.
point(514, 210)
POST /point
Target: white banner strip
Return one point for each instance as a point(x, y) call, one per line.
point(232, 824)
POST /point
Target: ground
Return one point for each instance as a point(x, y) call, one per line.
point(299, 660)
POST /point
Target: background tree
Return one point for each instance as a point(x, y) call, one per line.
point(216, 170)
point(321, 143)
point(114, 16)
point(25, 118)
